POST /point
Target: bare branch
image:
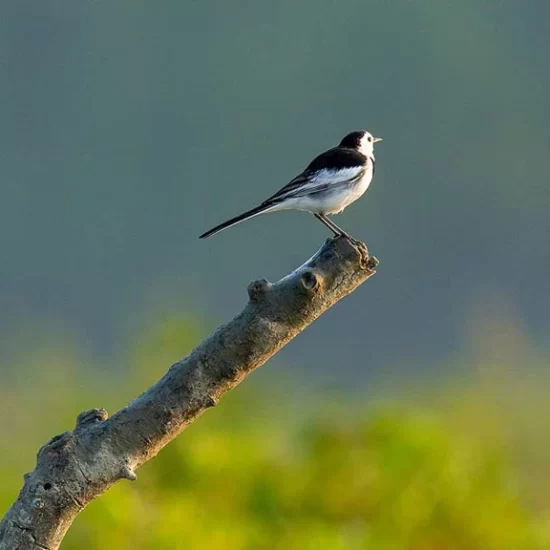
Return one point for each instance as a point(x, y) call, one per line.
point(75, 467)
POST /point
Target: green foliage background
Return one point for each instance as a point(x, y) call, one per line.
point(437, 464)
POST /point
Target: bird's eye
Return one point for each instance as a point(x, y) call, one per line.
point(369, 139)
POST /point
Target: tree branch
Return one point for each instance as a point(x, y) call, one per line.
point(75, 467)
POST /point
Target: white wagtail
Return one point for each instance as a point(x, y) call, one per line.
point(332, 181)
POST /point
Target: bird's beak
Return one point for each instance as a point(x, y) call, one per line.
point(376, 140)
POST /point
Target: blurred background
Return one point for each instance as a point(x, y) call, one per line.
point(411, 416)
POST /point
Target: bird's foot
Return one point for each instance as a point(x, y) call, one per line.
point(347, 236)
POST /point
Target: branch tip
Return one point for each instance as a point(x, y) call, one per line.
point(372, 263)
point(366, 261)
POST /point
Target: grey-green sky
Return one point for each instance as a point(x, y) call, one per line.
point(129, 127)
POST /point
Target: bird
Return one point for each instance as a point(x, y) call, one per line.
point(330, 183)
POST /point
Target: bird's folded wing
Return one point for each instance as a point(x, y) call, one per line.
point(310, 182)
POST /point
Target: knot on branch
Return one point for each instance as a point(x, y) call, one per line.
point(57, 442)
point(38, 503)
point(210, 401)
point(258, 289)
point(93, 416)
point(127, 472)
point(309, 280)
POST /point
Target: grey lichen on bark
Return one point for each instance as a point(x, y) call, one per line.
point(75, 467)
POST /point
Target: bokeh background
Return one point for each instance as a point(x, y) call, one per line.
point(411, 416)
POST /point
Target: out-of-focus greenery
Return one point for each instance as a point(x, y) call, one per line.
point(439, 466)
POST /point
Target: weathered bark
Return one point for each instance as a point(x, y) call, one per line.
point(75, 467)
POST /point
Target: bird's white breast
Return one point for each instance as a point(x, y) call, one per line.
point(341, 199)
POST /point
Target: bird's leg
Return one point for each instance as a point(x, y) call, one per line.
point(333, 227)
point(328, 224)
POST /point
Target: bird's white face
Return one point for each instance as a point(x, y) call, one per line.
point(367, 144)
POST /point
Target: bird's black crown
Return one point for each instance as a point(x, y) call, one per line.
point(353, 140)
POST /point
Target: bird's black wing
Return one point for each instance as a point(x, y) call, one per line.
point(292, 187)
point(328, 163)
point(336, 159)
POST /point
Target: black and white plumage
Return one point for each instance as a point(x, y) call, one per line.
point(330, 183)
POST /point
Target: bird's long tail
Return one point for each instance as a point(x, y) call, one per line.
point(238, 219)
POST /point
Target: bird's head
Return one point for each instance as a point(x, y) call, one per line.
point(362, 141)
